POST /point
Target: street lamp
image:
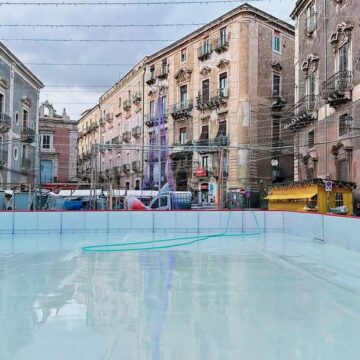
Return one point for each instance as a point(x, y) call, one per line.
point(274, 162)
point(349, 122)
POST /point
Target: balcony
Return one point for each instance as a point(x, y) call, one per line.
point(150, 78)
point(127, 105)
point(136, 132)
point(108, 173)
point(5, 123)
point(117, 171)
point(310, 24)
point(303, 113)
point(3, 157)
point(126, 168)
point(25, 165)
point(164, 72)
point(136, 166)
point(109, 117)
point(204, 52)
point(181, 110)
point(212, 145)
point(27, 135)
point(136, 98)
point(151, 120)
point(337, 89)
point(126, 136)
point(212, 101)
point(221, 44)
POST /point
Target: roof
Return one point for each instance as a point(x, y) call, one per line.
point(244, 8)
point(21, 66)
point(321, 182)
point(87, 112)
point(299, 6)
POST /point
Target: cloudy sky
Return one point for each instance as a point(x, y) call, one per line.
point(84, 84)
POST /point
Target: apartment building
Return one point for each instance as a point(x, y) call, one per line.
point(222, 90)
point(19, 104)
point(325, 120)
point(122, 109)
point(58, 139)
point(88, 129)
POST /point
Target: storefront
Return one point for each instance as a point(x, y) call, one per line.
point(316, 195)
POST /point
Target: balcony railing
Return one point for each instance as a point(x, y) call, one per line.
point(126, 168)
point(204, 52)
point(5, 122)
point(27, 135)
point(213, 100)
point(302, 113)
point(151, 78)
point(212, 145)
point(221, 44)
point(3, 156)
point(136, 98)
point(164, 72)
point(310, 24)
point(127, 136)
point(151, 120)
point(136, 132)
point(102, 122)
point(336, 90)
point(127, 104)
point(117, 170)
point(136, 166)
point(182, 109)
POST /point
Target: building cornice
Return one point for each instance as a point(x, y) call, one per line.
point(244, 9)
point(300, 4)
point(15, 61)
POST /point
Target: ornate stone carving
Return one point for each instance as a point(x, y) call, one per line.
point(310, 65)
point(342, 35)
point(26, 101)
point(205, 71)
point(3, 83)
point(223, 64)
point(276, 66)
point(183, 75)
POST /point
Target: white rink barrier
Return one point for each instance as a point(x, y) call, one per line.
point(344, 231)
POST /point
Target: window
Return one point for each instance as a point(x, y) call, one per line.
point(164, 105)
point(206, 46)
point(152, 109)
point(152, 72)
point(46, 142)
point(311, 139)
point(343, 129)
point(223, 84)
point(164, 67)
point(183, 94)
point(183, 55)
point(137, 185)
point(163, 169)
point(25, 118)
point(223, 37)
point(17, 122)
point(205, 162)
point(339, 199)
point(205, 90)
point(2, 103)
point(204, 132)
point(343, 58)
point(127, 185)
point(16, 153)
point(155, 204)
point(163, 201)
point(182, 136)
point(276, 41)
point(310, 20)
point(311, 85)
point(310, 173)
point(342, 171)
point(119, 101)
point(312, 203)
point(276, 85)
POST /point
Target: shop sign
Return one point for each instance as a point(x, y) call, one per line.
point(204, 186)
point(200, 172)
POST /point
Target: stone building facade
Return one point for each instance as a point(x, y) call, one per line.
point(58, 143)
point(209, 108)
point(325, 119)
point(19, 104)
point(224, 85)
